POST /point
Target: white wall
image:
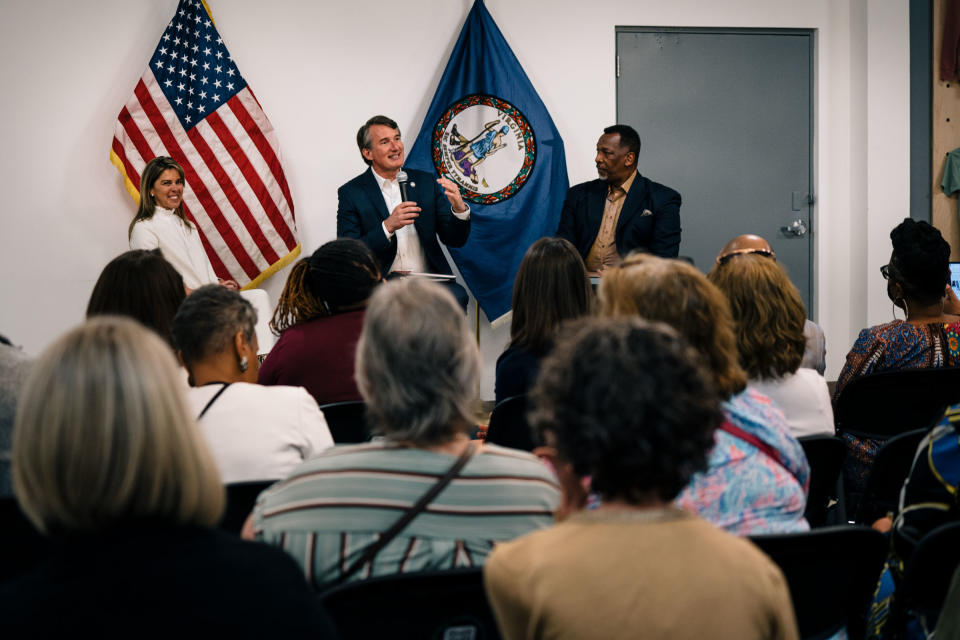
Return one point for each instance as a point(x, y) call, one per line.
point(319, 69)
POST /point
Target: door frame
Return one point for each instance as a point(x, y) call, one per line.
point(811, 35)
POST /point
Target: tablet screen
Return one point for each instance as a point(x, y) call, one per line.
point(955, 277)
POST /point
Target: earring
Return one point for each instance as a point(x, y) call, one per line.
point(244, 364)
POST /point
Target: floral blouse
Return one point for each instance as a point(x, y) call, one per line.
point(752, 487)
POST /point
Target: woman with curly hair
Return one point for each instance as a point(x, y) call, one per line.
point(918, 279)
point(769, 319)
point(318, 318)
point(627, 403)
point(757, 474)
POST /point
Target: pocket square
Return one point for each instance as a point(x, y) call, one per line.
point(646, 212)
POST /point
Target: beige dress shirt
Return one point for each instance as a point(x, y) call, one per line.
point(603, 253)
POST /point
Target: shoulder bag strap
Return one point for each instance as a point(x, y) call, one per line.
point(739, 433)
point(409, 515)
point(214, 399)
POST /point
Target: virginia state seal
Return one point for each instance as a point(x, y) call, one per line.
point(485, 145)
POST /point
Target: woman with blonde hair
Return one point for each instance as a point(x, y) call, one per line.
point(769, 319)
point(109, 463)
point(757, 474)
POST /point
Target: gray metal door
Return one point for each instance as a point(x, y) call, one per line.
point(725, 118)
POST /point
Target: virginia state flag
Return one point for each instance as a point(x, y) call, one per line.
point(488, 131)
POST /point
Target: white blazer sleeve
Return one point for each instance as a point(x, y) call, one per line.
point(143, 238)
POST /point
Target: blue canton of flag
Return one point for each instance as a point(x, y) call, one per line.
point(488, 131)
point(193, 67)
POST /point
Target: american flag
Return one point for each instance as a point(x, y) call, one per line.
point(193, 105)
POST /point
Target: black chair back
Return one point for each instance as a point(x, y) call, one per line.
point(509, 426)
point(831, 573)
point(927, 574)
point(22, 547)
point(445, 604)
point(825, 455)
point(241, 496)
point(890, 468)
point(882, 405)
point(347, 421)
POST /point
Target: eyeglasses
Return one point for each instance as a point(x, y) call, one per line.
point(767, 253)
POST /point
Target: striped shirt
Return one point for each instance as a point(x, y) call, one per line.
point(332, 507)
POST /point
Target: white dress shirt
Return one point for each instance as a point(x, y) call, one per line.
point(410, 255)
point(180, 246)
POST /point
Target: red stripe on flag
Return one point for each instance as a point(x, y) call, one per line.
point(253, 178)
point(218, 267)
point(199, 188)
point(260, 140)
point(136, 136)
point(230, 190)
point(132, 174)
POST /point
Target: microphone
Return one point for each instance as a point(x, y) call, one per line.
point(402, 181)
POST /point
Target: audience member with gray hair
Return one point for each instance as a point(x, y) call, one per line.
point(108, 462)
point(418, 369)
point(255, 432)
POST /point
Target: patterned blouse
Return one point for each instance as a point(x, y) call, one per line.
point(888, 347)
point(752, 487)
point(901, 345)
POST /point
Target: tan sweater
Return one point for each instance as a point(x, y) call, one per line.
point(637, 574)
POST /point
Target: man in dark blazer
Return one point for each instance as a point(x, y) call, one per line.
point(402, 233)
point(608, 218)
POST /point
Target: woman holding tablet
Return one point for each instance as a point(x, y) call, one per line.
point(161, 223)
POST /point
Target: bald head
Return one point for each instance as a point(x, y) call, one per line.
point(748, 243)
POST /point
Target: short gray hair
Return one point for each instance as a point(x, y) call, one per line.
point(207, 321)
point(418, 367)
point(104, 434)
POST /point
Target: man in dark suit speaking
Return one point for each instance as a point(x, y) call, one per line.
point(608, 218)
point(401, 232)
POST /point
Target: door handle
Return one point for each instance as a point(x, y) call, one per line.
point(797, 228)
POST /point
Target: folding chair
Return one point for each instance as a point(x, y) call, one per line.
point(825, 455)
point(509, 426)
point(882, 405)
point(241, 496)
point(831, 572)
point(448, 605)
point(926, 577)
point(22, 547)
point(347, 421)
point(879, 406)
point(890, 469)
